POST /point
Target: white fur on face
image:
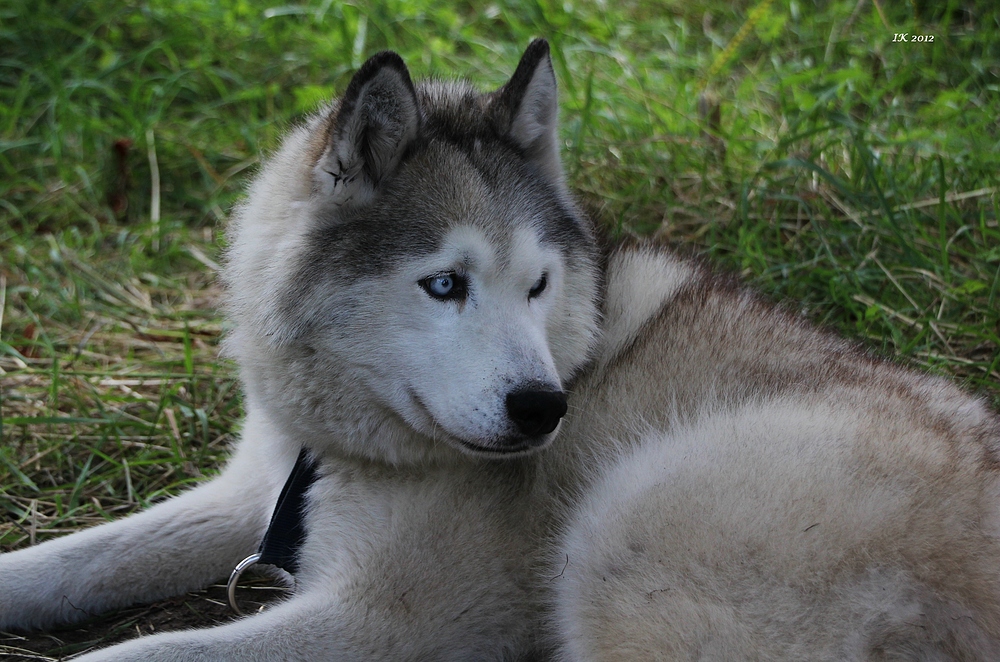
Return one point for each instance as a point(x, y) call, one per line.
point(455, 362)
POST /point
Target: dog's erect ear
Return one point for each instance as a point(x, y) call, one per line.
point(378, 118)
point(529, 104)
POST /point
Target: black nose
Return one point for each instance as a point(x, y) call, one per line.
point(536, 411)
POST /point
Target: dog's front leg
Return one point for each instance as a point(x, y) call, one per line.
point(303, 628)
point(310, 627)
point(176, 546)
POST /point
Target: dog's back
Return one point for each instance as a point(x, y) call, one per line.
point(765, 490)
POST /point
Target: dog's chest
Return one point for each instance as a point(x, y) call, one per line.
point(357, 521)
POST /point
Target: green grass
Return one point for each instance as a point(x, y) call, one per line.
point(849, 175)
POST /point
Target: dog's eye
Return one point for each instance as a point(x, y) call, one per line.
point(445, 287)
point(538, 287)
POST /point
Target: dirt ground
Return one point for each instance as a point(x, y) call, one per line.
point(198, 609)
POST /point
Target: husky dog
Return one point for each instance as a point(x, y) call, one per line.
point(527, 447)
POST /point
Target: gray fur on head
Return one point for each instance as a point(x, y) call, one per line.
point(336, 166)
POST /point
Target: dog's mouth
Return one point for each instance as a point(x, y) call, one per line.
point(516, 447)
point(529, 439)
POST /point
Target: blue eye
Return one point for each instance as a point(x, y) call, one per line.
point(441, 286)
point(445, 287)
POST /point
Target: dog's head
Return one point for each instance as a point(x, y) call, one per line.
point(411, 260)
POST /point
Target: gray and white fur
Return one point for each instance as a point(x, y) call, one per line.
point(532, 448)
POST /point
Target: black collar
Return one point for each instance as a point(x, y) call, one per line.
point(286, 532)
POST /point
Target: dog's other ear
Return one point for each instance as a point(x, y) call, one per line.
point(529, 105)
point(377, 119)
